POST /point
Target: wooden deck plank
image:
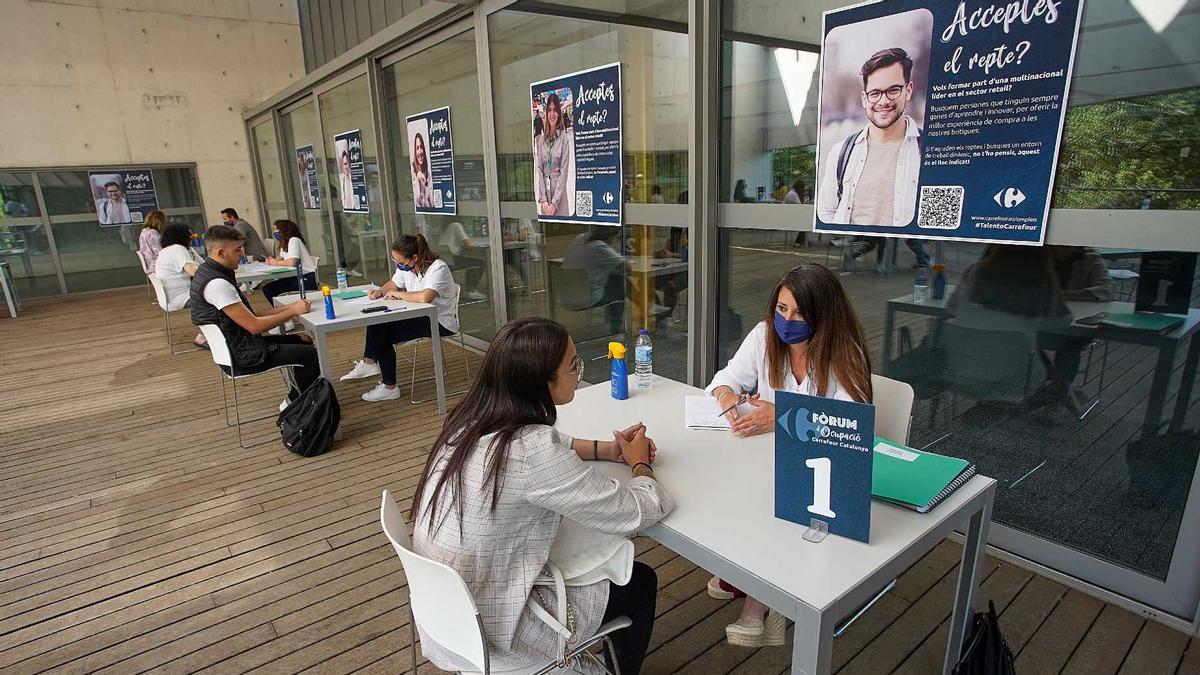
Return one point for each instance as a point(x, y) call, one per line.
point(1157, 649)
point(1050, 648)
point(1104, 647)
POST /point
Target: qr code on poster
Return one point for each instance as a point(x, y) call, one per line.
point(583, 203)
point(940, 207)
point(437, 199)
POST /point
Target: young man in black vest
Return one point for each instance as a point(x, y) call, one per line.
point(215, 299)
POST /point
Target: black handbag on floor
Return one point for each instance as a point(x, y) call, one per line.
point(986, 652)
point(309, 423)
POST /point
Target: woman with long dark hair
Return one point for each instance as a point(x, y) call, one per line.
point(553, 153)
point(497, 484)
point(421, 276)
point(809, 341)
point(292, 252)
point(422, 192)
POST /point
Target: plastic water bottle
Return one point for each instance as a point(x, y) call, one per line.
point(643, 354)
point(341, 276)
point(618, 371)
point(921, 285)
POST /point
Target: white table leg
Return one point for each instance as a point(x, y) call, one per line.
point(969, 571)
point(812, 643)
point(322, 344)
point(362, 255)
point(438, 374)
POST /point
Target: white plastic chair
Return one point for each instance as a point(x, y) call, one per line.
point(439, 600)
point(893, 408)
point(160, 295)
point(142, 262)
point(462, 345)
point(221, 357)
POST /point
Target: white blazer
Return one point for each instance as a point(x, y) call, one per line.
point(747, 370)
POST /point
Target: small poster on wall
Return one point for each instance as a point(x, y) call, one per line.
point(942, 120)
point(306, 168)
point(577, 146)
point(431, 165)
point(123, 197)
point(352, 176)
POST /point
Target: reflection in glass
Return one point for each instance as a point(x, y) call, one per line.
point(444, 76)
point(268, 170)
point(300, 129)
point(361, 241)
point(1080, 422)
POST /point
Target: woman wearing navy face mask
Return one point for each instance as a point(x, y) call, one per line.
point(808, 342)
point(292, 252)
point(421, 276)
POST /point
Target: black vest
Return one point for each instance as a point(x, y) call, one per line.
point(246, 349)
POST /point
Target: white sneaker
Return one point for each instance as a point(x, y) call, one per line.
point(362, 369)
point(283, 406)
point(474, 295)
point(382, 393)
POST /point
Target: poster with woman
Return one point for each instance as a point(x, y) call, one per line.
point(431, 162)
point(576, 127)
point(352, 176)
point(306, 168)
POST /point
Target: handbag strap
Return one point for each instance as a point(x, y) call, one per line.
point(562, 621)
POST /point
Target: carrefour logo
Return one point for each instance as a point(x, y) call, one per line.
point(1009, 197)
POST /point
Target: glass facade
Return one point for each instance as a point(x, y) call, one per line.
point(1089, 430)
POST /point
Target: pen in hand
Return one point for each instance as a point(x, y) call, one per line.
point(740, 400)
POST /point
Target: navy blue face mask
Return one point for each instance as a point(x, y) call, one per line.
point(277, 235)
point(403, 268)
point(792, 332)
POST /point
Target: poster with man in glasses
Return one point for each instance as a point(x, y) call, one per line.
point(941, 120)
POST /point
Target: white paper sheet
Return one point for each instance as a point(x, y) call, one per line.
point(703, 412)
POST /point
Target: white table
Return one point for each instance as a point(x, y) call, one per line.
point(349, 315)
point(724, 522)
point(256, 271)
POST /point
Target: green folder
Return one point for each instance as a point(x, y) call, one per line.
point(280, 270)
point(914, 479)
point(349, 295)
point(1155, 323)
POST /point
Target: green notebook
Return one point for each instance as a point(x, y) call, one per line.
point(914, 479)
point(280, 270)
point(349, 295)
point(1155, 323)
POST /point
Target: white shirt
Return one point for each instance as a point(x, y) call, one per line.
point(747, 370)
point(296, 250)
point(438, 278)
point(169, 270)
point(113, 213)
point(220, 294)
point(904, 195)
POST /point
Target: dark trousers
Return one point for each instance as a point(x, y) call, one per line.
point(861, 246)
point(288, 350)
point(381, 337)
point(287, 285)
point(635, 600)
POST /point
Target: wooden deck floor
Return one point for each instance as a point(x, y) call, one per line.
point(136, 535)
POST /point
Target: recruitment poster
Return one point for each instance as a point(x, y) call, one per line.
point(577, 146)
point(306, 168)
point(123, 197)
point(431, 162)
point(823, 460)
point(942, 119)
point(351, 172)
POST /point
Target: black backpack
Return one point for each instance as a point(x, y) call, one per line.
point(986, 652)
point(309, 423)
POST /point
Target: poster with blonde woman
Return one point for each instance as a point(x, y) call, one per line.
point(431, 162)
point(576, 126)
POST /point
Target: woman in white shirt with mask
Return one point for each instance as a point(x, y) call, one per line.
point(421, 276)
point(292, 252)
point(809, 341)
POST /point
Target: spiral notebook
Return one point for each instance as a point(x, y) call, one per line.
point(914, 479)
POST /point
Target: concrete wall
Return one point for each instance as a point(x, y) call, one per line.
point(93, 82)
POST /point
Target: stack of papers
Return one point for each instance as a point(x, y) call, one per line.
point(704, 412)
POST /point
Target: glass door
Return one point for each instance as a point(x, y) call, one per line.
point(302, 136)
point(25, 241)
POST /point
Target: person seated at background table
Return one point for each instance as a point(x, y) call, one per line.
point(421, 276)
point(216, 300)
point(464, 256)
point(175, 267)
point(592, 251)
point(292, 252)
point(149, 242)
point(500, 479)
point(809, 341)
point(255, 249)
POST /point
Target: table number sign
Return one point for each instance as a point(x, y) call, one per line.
point(823, 453)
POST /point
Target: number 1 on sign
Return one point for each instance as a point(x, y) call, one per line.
point(821, 467)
